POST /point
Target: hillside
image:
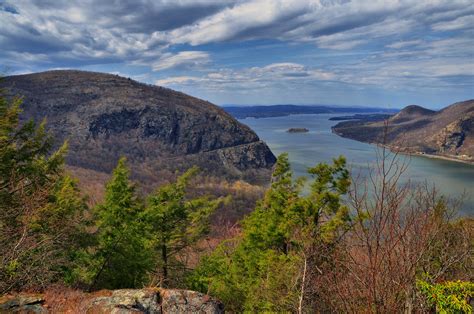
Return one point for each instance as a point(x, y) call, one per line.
point(446, 133)
point(159, 130)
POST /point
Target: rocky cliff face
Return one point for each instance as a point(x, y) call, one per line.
point(150, 301)
point(160, 130)
point(448, 132)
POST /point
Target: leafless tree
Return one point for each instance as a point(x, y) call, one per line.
point(401, 231)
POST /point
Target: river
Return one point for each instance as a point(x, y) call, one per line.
point(321, 145)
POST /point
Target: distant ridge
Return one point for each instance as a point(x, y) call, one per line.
point(261, 111)
point(445, 133)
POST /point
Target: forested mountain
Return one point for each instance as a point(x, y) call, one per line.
point(159, 130)
point(448, 132)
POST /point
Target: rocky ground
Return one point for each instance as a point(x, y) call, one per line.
point(117, 301)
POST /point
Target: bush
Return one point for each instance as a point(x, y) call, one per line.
point(449, 296)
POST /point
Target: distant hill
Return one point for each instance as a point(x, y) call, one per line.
point(447, 133)
point(242, 112)
point(159, 130)
point(363, 116)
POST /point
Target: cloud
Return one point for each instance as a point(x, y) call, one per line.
point(227, 44)
point(404, 44)
point(463, 22)
point(252, 78)
point(365, 34)
point(99, 31)
point(178, 80)
point(415, 66)
point(239, 20)
point(96, 31)
point(183, 59)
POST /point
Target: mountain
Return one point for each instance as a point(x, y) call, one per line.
point(411, 113)
point(242, 112)
point(446, 133)
point(159, 130)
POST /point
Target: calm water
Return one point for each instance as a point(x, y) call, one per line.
point(320, 144)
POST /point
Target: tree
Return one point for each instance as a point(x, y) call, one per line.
point(266, 267)
point(41, 210)
point(122, 255)
point(401, 232)
point(176, 225)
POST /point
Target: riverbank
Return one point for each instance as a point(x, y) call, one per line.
point(420, 154)
point(442, 157)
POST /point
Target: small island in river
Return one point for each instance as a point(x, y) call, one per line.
point(298, 130)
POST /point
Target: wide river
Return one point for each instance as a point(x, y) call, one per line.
point(321, 145)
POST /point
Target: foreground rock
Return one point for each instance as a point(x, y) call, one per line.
point(117, 301)
point(24, 303)
point(159, 130)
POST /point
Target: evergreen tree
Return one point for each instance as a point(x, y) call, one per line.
point(122, 255)
point(177, 224)
point(265, 269)
point(41, 210)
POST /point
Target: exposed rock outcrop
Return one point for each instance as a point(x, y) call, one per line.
point(447, 133)
point(151, 301)
point(23, 303)
point(105, 116)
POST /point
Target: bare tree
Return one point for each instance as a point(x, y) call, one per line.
point(401, 231)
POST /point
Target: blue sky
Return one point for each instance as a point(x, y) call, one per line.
point(361, 52)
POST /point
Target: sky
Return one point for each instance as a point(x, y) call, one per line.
point(388, 53)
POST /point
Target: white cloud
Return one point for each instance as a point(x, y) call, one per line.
point(404, 44)
point(252, 78)
point(186, 59)
point(333, 43)
point(233, 21)
point(464, 22)
point(399, 43)
point(177, 80)
point(131, 31)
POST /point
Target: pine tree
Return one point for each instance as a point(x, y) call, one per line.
point(259, 270)
point(177, 224)
point(122, 256)
point(41, 210)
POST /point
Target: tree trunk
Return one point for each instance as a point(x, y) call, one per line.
point(303, 279)
point(164, 257)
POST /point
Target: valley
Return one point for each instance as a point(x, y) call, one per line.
point(246, 156)
point(321, 144)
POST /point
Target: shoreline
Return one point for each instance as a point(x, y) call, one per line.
point(442, 157)
point(431, 156)
point(417, 154)
point(426, 155)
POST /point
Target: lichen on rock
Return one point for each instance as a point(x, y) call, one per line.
point(123, 301)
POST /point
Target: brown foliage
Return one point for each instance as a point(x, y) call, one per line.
point(401, 232)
